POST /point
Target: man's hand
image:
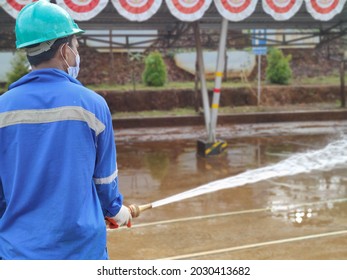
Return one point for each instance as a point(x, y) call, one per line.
point(121, 219)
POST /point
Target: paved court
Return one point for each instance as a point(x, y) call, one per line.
point(296, 217)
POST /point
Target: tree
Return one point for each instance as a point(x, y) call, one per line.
point(278, 70)
point(134, 58)
point(155, 72)
point(20, 67)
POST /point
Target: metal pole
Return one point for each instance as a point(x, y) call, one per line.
point(196, 99)
point(218, 79)
point(259, 78)
point(204, 93)
point(111, 75)
point(342, 84)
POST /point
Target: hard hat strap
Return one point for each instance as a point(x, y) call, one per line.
point(40, 48)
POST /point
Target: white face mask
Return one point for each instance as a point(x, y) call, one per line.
point(73, 70)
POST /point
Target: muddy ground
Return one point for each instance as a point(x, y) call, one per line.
point(301, 216)
point(125, 101)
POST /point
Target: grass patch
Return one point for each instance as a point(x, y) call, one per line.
point(319, 80)
point(229, 110)
point(323, 80)
point(167, 86)
point(157, 113)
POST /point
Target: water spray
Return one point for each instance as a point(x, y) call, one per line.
point(334, 155)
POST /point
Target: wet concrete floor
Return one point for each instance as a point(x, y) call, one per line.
point(295, 217)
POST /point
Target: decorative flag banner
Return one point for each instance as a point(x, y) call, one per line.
point(13, 7)
point(137, 10)
point(235, 10)
point(324, 9)
point(82, 9)
point(281, 9)
point(188, 10)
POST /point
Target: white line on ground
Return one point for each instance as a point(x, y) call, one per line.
point(255, 245)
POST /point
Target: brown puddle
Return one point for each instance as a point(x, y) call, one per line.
point(295, 217)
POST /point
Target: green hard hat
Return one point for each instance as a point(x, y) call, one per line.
point(43, 21)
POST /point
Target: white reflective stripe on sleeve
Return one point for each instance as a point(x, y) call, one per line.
point(106, 180)
point(66, 113)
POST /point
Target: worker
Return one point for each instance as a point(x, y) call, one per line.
point(58, 170)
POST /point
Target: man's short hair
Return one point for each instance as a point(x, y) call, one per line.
point(49, 54)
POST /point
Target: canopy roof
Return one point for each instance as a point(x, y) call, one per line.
point(266, 14)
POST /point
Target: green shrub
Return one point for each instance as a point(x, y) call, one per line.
point(278, 70)
point(20, 67)
point(155, 70)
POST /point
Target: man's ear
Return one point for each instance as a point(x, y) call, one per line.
point(63, 51)
point(66, 52)
point(62, 56)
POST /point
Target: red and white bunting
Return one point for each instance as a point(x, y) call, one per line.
point(137, 10)
point(82, 9)
point(235, 10)
point(281, 9)
point(13, 7)
point(324, 9)
point(188, 10)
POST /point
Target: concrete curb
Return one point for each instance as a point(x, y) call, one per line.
point(268, 117)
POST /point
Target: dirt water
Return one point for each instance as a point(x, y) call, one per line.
point(294, 217)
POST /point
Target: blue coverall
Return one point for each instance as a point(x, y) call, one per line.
point(58, 170)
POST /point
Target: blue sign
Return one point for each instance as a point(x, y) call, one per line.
point(259, 41)
point(259, 50)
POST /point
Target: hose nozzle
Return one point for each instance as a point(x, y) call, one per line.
point(136, 210)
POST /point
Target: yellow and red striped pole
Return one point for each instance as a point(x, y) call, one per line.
point(218, 78)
